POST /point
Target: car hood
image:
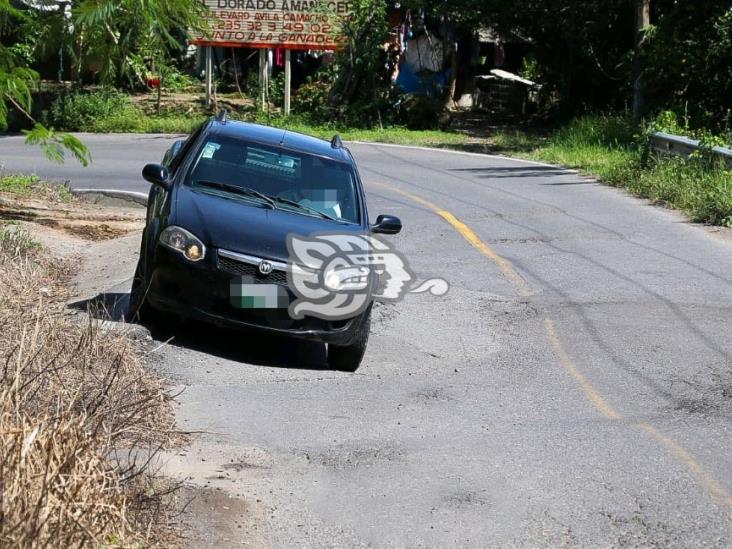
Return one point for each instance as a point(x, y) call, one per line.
point(240, 226)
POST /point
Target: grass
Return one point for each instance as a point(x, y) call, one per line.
point(15, 241)
point(73, 397)
point(107, 111)
point(21, 185)
point(27, 186)
point(612, 148)
point(135, 121)
point(391, 134)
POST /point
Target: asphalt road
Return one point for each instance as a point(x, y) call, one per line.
point(574, 387)
point(117, 161)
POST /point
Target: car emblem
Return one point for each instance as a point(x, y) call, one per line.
point(265, 267)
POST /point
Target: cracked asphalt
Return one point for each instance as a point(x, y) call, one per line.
point(585, 402)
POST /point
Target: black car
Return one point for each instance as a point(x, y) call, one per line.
point(222, 205)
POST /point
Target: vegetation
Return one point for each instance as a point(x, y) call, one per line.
point(25, 186)
point(583, 52)
point(16, 82)
point(614, 148)
point(108, 111)
point(18, 184)
point(75, 397)
point(16, 241)
point(75, 393)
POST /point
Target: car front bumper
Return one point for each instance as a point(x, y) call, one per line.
point(202, 291)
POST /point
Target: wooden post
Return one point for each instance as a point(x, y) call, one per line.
point(642, 22)
point(209, 74)
point(160, 91)
point(288, 81)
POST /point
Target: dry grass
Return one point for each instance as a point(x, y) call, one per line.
point(72, 397)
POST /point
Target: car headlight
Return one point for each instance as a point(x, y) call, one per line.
point(184, 242)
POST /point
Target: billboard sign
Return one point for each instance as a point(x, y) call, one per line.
point(289, 24)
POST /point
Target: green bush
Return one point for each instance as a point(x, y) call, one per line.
point(113, 112)
point(311, 99)
point(81, 111)
point(177, 81)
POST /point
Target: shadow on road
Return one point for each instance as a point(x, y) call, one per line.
point(493, 172)
point(238, 346)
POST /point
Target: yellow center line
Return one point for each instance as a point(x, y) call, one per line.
point(503, 264)
point(592, 394)
point(705, 479)
point(710, 484)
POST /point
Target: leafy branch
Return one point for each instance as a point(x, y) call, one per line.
point(16, 84)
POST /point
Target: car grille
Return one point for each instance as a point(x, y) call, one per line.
point(241, 268)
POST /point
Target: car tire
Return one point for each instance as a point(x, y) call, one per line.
point(347, 358)
point(137, 308)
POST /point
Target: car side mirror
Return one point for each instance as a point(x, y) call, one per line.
point(387, 224)
point(157, 175)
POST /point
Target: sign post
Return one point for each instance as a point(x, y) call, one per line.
point(262, 79)
point(265, 24)
point(209, 74)
point(288, 81)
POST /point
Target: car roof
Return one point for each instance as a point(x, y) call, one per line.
point(278, 137)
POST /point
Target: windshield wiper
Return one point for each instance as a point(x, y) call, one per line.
point(246, 191)
point(270, 200)
point(302, 207)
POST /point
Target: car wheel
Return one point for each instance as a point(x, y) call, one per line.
point(347, 358)
point(137, 308)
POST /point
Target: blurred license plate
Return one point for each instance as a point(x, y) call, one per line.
point(243, 295)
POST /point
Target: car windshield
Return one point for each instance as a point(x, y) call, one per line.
point(296, 182)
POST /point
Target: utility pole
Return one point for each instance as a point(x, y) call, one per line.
point(642, 22)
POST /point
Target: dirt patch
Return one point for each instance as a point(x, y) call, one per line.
point(213, 518)
point(96, 232)
point(188, 103)
point(78, 218)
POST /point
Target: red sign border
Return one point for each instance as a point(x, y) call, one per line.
point(263, 45)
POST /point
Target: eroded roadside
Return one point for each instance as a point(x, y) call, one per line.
point(81, 411)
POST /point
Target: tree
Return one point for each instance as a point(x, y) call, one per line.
point(361, 62)
point(687, 58)
point(16, 82)
point(642, 22)
point(123, 35)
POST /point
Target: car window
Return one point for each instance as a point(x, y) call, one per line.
point(184, 149)
point(311, 181)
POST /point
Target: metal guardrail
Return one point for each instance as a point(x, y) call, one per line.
point(666, 143)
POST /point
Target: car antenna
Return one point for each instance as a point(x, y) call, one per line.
point(336, 142)
point(223, 116)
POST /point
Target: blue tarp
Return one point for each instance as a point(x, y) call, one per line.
point(427, 83)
